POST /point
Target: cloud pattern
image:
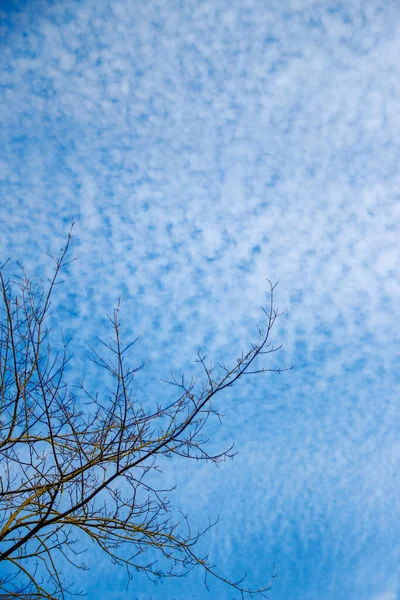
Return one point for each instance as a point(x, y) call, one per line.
point(202, 147)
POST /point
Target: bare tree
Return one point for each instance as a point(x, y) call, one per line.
point(80, 466)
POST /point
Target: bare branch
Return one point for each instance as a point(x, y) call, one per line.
point(87, 466)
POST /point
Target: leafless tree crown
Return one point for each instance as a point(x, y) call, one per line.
point(78, 465)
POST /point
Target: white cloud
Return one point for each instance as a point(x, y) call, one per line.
point(202, 148)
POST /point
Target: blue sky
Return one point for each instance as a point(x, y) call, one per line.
point(201, 147)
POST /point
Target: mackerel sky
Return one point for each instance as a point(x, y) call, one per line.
point(201, 147)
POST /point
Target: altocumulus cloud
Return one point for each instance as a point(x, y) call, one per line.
point(202, 147)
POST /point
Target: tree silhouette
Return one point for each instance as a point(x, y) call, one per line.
point(81, 465)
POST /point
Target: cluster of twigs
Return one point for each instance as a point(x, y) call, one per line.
point(75, 467)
